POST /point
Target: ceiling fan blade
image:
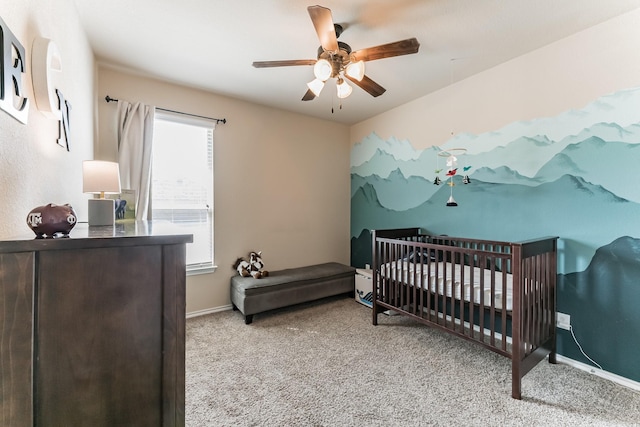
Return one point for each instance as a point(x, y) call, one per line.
point(285, 63)
point(402, 47)
point(368, 85)
point(323, 23)
point(308, 96)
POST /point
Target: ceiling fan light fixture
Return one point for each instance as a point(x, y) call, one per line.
point(355, 70)
point(343, 89)
point(322, 69)
point(316, 86)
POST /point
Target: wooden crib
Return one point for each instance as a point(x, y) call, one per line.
point(500, 295)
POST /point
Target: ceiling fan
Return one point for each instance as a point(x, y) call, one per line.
point(336, 59)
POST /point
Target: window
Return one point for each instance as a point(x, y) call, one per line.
point(182, 182)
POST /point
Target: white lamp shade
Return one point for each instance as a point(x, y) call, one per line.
point(322, 70)
point(355, 70)
point(343, 89)
point(100, 177)
point(316, 86)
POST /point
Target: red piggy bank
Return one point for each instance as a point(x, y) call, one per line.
point(52, 220)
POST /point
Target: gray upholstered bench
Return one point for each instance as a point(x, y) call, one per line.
point(288, 287)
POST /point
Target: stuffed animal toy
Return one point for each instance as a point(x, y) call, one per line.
point(253, 267)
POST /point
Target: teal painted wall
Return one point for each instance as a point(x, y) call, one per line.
point(572, 175)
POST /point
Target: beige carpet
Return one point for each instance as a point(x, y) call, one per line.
point(324, 364)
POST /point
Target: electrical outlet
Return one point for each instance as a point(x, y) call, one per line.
point(563, 321)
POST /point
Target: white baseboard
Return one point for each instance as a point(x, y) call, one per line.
point(209, 311)
point(599, 372)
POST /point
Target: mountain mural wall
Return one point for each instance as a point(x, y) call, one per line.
point(573, 176)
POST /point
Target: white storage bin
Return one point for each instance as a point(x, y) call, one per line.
point(364, 289)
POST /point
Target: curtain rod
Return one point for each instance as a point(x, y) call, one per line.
point(109, 99)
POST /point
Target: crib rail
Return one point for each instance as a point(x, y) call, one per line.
point(500, 295)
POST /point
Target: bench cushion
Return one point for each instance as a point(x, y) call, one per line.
point(291, 278)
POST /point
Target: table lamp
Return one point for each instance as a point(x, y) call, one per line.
point(100, 177)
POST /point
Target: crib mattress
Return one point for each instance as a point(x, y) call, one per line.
point(472, 284)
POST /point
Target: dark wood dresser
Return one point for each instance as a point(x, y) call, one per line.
point(93, 327)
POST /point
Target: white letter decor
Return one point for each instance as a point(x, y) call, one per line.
point(12, 62)
point(46, 66)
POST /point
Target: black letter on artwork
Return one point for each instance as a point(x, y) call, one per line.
point(64, 106)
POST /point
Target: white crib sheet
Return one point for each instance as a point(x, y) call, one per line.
point(409, 272)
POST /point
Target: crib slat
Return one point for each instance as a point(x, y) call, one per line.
point(550, 281)
point(481, 309)
point(394, 271)
point(412, 279)
point(544, 297)
point(420, 294)
point(504, 308)
point(406, 289)
point(532, 305)
point(430, 288)
point(436, 298)
point(423, 282)
point(387, 281)
point(492, 310)
point(461, 300)
point(401, 288)
point(472, 280)
point(538, 302)
point(526, 297)
point(452, 300)
point(415, 280)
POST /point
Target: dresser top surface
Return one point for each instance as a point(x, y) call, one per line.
point(127, 233)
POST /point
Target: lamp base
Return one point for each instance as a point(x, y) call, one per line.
point(101, 212)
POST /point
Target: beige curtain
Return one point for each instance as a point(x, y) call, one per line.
point(135, 136)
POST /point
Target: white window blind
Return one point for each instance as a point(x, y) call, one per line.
point(182, 181)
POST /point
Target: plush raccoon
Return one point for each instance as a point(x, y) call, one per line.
point(253, 267)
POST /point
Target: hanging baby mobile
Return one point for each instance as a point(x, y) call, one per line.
point(452, 170)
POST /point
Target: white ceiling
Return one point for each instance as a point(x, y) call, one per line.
point(210, 44)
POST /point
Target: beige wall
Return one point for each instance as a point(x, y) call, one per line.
point(282, 182)
point(564, 75)
point(34, 169)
